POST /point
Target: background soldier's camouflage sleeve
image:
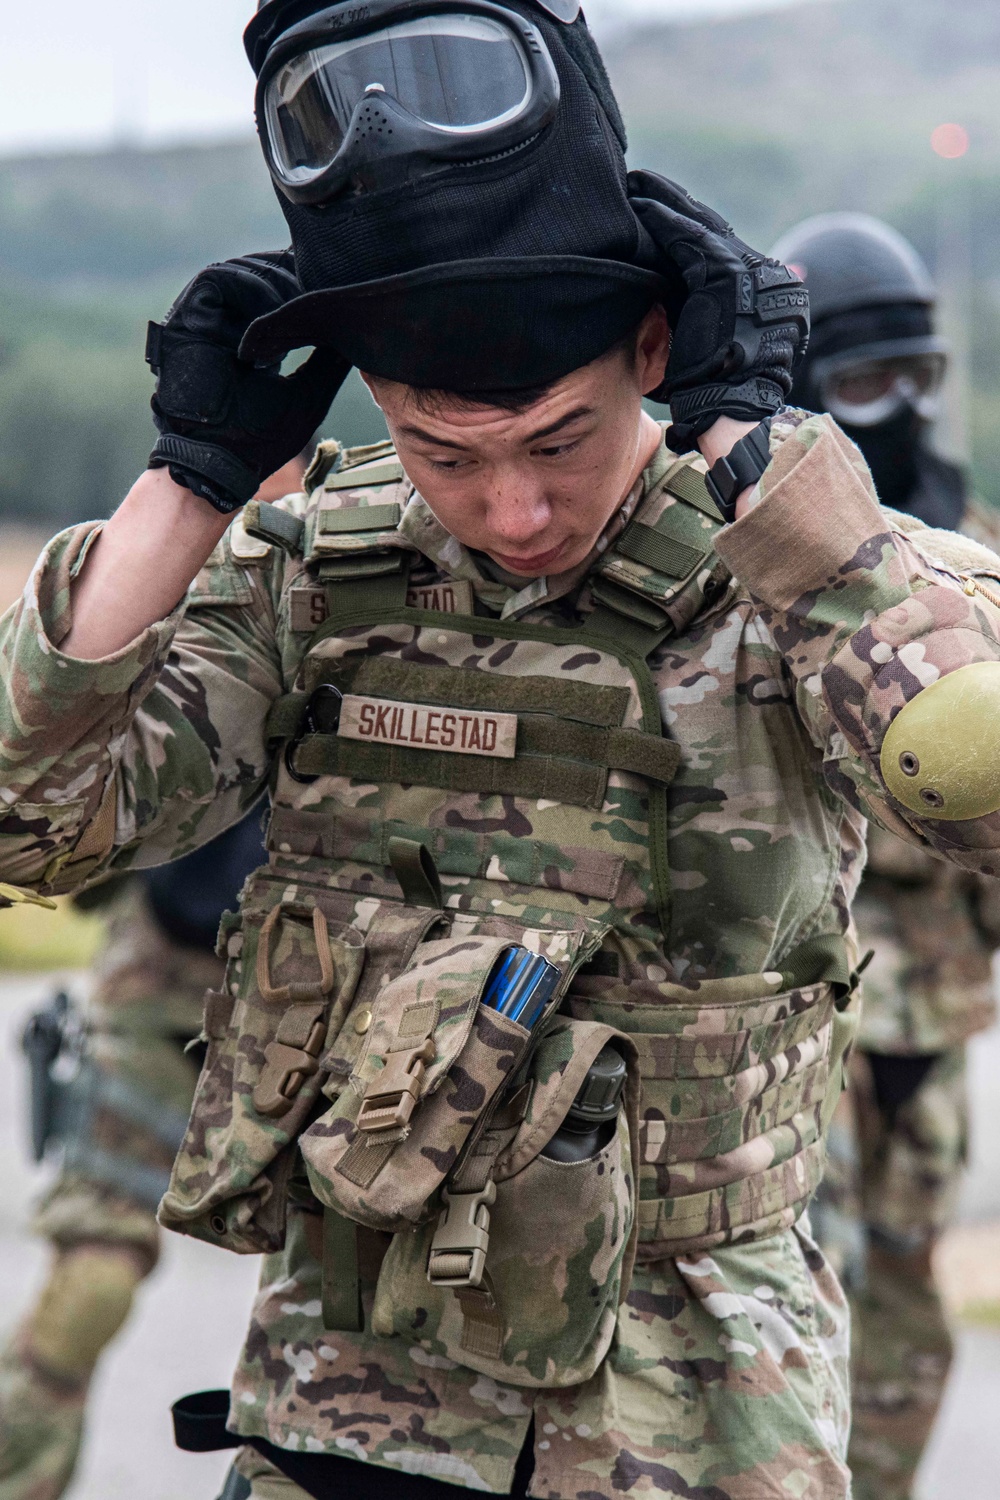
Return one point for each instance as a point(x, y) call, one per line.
point(864, 619)
point(175, 718)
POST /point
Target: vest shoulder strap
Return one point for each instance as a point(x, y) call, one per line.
point(353, 515)
point(657, 576)
point(670, 537)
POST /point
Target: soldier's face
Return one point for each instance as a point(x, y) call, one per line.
point(534, 489)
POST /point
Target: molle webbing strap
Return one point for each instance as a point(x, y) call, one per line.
point(618, 624)
point(668, 555)
point(341, 1280)
point(267, 523)
point(460, 688)
point(363, 477)
point(533, 774)
point(346, 567)
point(819, 960)
point(688, 484)
point(414, 868)
point(378, 595)
point(366, 518)
point(285, 717)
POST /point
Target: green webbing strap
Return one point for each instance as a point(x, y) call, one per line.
point(458, 687)
point(819, 960)
point(414, 868)
point(359, 519)
point(605, 623)
point(534, 777)
point(376, 596)
point(374, 564)
point(285, 716)
point(689, 485)
point(267, 523)
point(362, 478)
point(341, 1280)
point(555, 761)
point(666, 554)
point(628, 603)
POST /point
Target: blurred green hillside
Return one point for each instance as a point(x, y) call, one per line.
point(826, 105)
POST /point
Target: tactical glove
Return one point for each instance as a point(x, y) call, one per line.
point(226, 424)
point(739, 321)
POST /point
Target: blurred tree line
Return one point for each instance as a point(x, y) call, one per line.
point(769, 118)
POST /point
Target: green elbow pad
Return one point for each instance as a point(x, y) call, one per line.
point(941, 754)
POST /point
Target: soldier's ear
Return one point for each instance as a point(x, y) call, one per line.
point(652, 349)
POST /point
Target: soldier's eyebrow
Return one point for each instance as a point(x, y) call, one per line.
point(560, 423)
point(431, 437)
point(411, 430)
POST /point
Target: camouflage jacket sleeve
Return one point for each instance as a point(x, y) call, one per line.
point(866, 617)
point(141, 756)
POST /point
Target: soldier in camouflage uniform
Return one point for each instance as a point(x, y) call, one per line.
point(899, 1139)
point(120, 1121)
point(542, 674)
point(118, 1124)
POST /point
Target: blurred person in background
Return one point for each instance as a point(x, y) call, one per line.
point(132, 1060)
point(900, 1136)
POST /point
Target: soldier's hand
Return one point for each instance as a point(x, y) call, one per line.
point(739, 321)
point(225, 424)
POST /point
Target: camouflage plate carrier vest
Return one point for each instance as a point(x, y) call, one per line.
point(447, 784)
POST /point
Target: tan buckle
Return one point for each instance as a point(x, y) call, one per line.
point(462, 1238)
point(391, 1098)
point(285, 1071)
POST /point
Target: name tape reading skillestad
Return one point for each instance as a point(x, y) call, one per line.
point(420, 726)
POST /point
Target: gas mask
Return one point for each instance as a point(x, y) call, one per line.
point(453, 176)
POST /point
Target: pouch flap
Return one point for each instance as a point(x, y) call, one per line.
point(560, 1062)
point(434, 1000)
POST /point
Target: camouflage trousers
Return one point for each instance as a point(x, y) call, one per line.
point(890, 1189)
point(105, 1243)
point(727, 1380)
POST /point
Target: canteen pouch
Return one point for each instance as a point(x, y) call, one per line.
point(561, 1239)
point(291, 977)
point(435, 1060)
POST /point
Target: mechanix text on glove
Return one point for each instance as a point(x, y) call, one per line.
point(739, 321)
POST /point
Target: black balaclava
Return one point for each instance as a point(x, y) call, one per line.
point(907, 474)
point(871, 296)
point(495, 275)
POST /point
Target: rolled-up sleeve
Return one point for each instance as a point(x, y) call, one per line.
point(138, 757)
point(865, 617)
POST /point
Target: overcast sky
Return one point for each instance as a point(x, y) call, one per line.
point(79, 75)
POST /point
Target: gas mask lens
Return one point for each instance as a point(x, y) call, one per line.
point(460, 74)
point(869, 393)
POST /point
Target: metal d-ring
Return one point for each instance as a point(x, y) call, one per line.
point(322, 716)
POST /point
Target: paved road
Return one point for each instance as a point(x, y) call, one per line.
point(187, 1328)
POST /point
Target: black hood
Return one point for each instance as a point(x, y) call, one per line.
point(497, 274)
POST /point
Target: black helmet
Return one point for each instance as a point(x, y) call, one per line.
point(871, 297)
point(874, 360)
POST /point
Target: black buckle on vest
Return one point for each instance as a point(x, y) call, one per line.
point(322, 716)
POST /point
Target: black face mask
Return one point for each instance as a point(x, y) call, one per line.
point(498, 273)
point(890, 451)
point(908, 475)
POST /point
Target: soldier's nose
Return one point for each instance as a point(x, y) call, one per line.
point(517, 514)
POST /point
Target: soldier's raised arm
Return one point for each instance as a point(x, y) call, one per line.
point(893, 645)
point(892, 641)
point(112, 726)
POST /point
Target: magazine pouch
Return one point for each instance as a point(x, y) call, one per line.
point(521, 1277)
point(436, 1059)
point(292, 974)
